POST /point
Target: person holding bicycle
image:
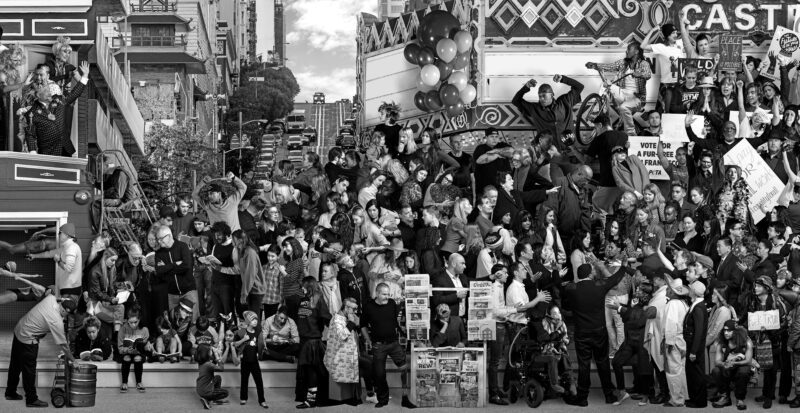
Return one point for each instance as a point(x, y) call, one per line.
point(630, 88)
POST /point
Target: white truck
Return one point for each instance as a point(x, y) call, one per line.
point(296, 121)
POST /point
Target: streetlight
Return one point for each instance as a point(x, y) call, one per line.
point(248, 147)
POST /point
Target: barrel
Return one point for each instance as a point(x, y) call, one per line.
point(82, 385)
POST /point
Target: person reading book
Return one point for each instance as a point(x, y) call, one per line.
point(168, 345)
point(91, 344)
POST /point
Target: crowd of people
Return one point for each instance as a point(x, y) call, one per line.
point(669, 277)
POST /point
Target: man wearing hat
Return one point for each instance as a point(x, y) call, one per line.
point(216, 208)
point(774, 155)
point(549, 113)
point(674, 343)
point(486, 257)
point(695, 326)
point(667, 55)
point(69, 263)
point(490, 157)
point(45, 317)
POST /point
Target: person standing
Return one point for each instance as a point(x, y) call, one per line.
point(45, 317)
point(586, 298)
point(654, 333)
point(452, 277)
point(674, 343)
point(69, 267)
point(379, 326)
point(549, 113)
point(253, 288)
point(174, 264)
point(695, 327)
point(463, 176)
point(490, 157)
point(218, 209)
point(183, 221)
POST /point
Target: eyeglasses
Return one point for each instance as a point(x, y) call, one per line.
point(163, 236)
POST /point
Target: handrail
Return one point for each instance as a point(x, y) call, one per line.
point(139, 194)
point(120, 88)
point(154, 8)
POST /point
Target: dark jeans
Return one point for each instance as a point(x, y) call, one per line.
point(254, 304)
point(270, 310)
point(200, 284)
point(739, 375)
point(281, 352)
point(218, 393)
point(628, 353)
point(661, 377)
point(498, 353)
point(380, 351)
point(23, 361)
point(159, 300)
point(696, 379)
point(593, 346)
point(222, 299)
point(247, 369)
point(785, 383)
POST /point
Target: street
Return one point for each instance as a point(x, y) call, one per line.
point(282, 400)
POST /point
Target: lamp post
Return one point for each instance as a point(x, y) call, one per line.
point(248, 147)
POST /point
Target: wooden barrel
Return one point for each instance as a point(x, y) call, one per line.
point(82, 385)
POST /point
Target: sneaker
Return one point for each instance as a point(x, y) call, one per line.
point(242, 402)
point(740, 405)
point(723, 401)
point(123, 388)
point(206, 404)
point(223, 401)
point(644, 401)
point(623, 395)
point(264, 405)
point(557, 388)
point(140, 387)
point(372, 398)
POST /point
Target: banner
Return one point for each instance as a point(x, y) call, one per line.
point(703, 66)
point(673, 127)
point(765, 186)
point(730, 52)
point(645, 148)
point(784, 46)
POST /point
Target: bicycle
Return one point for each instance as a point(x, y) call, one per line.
point(595, 104)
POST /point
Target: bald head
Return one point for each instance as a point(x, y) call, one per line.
point(581, 175)
point(456, 264)
point(164, 237)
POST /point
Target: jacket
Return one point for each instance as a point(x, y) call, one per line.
point(84, 343)
point(695, 326)
point(572, 206)
point(511, 203)
point(174, 267)
point(631, 177)
point(99, 287)
point(557, 117)
point(253, 279)
point(442, 280)
point(635, 319)
point(341, 353)
point(728, 273)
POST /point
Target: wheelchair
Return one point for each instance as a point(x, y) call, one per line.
point(531, 382)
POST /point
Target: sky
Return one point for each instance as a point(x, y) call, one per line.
point(322, 49)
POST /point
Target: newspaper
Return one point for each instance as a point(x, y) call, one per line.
point(480, 289)
point(481, 330)
point(449, 369)
point(425, 381)
point(417, 306)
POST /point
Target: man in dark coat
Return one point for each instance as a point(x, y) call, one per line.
point(510, 201)
point(452, 277)
point(572, 202)
point(695, 326)
point(549, 113)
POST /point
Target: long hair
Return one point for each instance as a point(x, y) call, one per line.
point(415, 268)
point(242, 237)
point(342, 224)
point(297, 248)
point(460, 210)
point(311, 286)
point(320, 185)
point(474, 240)
point(284, 190)
point(516, 223)
point(398, 171)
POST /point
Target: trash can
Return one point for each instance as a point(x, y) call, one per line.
point(82, 385)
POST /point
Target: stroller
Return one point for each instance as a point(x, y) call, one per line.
point(532, 381)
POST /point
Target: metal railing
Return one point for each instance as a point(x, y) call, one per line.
point(178, 40)
point(120, 88)
point(154, 7)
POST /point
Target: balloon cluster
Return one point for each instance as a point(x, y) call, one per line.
point(443, 53)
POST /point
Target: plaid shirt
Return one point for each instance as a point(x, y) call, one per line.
point(641, 72)
point(273, 283)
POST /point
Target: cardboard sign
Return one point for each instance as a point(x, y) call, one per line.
point(673, 127)
point(785, 46)
point(769, 320)
point(730, 52)
point(765, 186)
point(645, 148)
point(702, 65)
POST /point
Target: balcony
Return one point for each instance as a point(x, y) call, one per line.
point(157, 50)
point(125, 112)
point(154, 8)
point(176, 41)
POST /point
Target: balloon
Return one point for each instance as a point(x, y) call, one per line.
point(446, 50)
point(444, 69)
point(411, 53)
point(468, 94)
point(429, 75)
point(463, 41)
point(449, 94)
point(421, 86)
point(432, 100)
point(461, 61)
point(425, 56)
point(419, 101)
point(435, 26)
point(455, 110)
point(459, 80)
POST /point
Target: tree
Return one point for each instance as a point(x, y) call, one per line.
point(172, 154)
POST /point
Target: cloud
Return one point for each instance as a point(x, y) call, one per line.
point(337, 84)
point(327, 24)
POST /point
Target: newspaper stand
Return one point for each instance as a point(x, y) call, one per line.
point(438, 387)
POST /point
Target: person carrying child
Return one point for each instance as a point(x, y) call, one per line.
point(209, 385)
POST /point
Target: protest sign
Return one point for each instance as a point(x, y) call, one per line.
point(730, 52)
point(769, 320)
point(644, 147)
point(673, 127)
point(765, 186)
point(784, 46)
point(703, 66)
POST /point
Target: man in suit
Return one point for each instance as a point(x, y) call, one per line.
point(728, 272)
point(586, 298)
point(510, 201)
point(452, 277)
point(695, 326)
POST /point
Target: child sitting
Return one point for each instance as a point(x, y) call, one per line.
point(134, 346)
point(168, 346)
point(201, 334)
point(209, 385)
point(90, 343)
point(228, 350)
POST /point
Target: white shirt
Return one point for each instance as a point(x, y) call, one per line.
point(654, 329)
point(462, 307)
point(516, 296)
point(674, 314)
point(498, 302)
point(485, 263)
point(69, 267)
point(663, 54)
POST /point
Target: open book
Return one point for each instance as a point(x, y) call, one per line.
point(209, 260)
point(87, 355)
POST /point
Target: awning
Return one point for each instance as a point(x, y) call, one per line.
point(193, 65)
point(154, 18)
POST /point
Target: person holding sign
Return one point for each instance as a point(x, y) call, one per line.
point(763, 298)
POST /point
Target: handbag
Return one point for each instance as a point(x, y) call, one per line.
point(763, 353)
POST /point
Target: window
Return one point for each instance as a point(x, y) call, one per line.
point(158, 35)
point(102, 19)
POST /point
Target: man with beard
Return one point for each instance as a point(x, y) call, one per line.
point(653, 124)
